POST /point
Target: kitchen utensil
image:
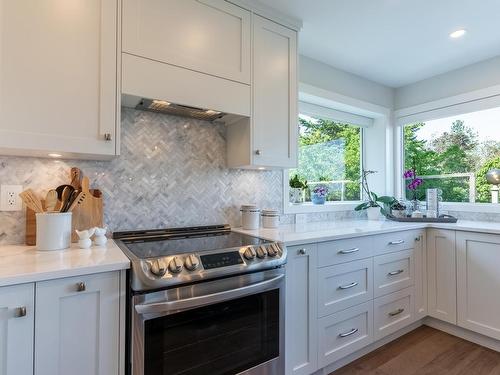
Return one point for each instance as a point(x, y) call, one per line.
point(79, 198)
point(88, 213)
point(51, 200)
point(61, 188)
point(65, 197)
point(31, 200)
point(76, 178)
point(53, 230)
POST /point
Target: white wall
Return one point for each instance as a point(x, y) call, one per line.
point(470, 78)
point(318, 74)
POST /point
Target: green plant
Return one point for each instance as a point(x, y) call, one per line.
point(297, 183)
point(373, 200)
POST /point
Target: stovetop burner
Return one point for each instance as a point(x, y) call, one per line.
point(166, 257)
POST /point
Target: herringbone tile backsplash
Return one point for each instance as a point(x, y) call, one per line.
point(171, 172)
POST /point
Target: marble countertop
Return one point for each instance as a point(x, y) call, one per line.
point(295, 234)
point(24, 264)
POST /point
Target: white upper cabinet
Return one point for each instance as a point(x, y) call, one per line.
point(478, 279)
point(275, 115)
point(207, 36)
point(78, 325)
point(16, 329)
point(58, 77)
point(441, 274)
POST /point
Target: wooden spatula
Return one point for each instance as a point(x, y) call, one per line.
point(31, 200)
point(51, 200)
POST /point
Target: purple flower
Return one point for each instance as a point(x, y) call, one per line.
point(320, 191)
point(410, 173)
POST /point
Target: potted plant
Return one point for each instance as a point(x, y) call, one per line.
point(319, 194)
point(413, 184)
point(298, 188)
point(372, 204)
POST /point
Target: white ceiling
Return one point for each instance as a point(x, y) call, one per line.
point(395, 42)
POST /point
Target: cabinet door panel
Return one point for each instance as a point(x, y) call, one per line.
point(77, 331)
point(478, 257)
point(301, 343)
point(441, 271)
point(58, 76)
point(208, 36)
point(420, 253)
point(274, 94)
point(16, 331)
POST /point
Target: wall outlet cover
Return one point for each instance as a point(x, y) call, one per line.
point(10, 199)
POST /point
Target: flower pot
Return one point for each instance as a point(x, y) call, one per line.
point(373, 213)
point(297, 195)
point(318, 199)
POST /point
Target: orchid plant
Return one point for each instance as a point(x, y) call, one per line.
point(373, 200)
point(414, 183)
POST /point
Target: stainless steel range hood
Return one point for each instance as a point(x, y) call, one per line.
point(162, 106)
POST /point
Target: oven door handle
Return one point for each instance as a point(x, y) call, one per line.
point(188, 303)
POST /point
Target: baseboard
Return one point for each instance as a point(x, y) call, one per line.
point(463, 333)
point(367, 349)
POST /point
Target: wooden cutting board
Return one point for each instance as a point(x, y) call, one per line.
point(86, 215)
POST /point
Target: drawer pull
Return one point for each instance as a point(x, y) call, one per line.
point(394, 273)
point(397, 312)
point(302, 252)
point(398, 242)
point(349, 286)
point(350, 251)
point(80, 287)
point(20, 312)
point(347, 334)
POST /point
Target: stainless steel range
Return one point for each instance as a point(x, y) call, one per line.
point(204, 300)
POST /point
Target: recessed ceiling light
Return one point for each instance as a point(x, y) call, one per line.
point(54, 155)
point(458, 33)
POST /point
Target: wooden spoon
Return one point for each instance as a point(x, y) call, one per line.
point(31, 200)
point(51, 200)
point(65, 197)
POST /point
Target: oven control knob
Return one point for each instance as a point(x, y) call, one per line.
point(261, 252)
point(175, 265)
point(158, 268)
point(249, 253)
point(272, 250)
point(191, 263)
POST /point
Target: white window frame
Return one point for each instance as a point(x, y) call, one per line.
point(465, 103)
point(323, 103)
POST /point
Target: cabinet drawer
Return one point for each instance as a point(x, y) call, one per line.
point(341, 251)
point(393, 312)
point(393, 272)
point(391, 242)
point(344, 285)
point(345, 332)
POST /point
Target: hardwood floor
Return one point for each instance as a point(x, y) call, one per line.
point(426, 351)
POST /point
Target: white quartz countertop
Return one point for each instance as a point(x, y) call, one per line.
point(24, 264)
point(295, 234)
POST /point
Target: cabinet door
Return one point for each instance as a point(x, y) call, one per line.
point(301, 341)
point(58, 77)
point(208, 36)
point(478, 257)
point(274, 95)
point(16, 329)
point(77, 325)
point(420, 254)
point(441, 271)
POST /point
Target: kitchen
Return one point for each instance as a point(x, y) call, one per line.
point(241, 157)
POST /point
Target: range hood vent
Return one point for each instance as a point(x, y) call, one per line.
point(162, 106)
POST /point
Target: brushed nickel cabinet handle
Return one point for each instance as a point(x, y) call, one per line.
point(349, 251)
point(397, 312)
point(107, 137)
point(20, 312)
point(417, 239)
point(347, 334)
point(348, 286)
point(302, 251)
point(258, 152)
point(81, 287)
point(394, 273)
point(398, 242)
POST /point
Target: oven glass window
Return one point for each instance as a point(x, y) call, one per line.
point(221, 339)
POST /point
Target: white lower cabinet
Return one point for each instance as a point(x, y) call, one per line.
point(393, 272)
point(16, 329)
point(343, 333)
point(393, 312)
point(441, 275)
point(478, 281)
point(77, 324)
point(301, 343)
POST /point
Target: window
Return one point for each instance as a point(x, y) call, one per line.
point(454, 154)
point(330, 154)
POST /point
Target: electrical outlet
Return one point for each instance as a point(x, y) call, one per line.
point(10, 199)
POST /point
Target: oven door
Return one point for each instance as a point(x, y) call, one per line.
point(223, 327)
